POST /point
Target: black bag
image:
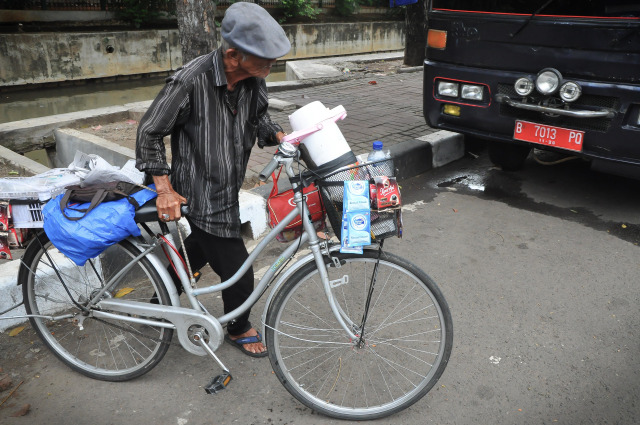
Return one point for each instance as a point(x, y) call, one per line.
point(96, 194)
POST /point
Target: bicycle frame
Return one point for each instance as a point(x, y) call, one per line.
point(181, 318)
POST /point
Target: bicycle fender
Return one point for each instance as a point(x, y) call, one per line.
point(164, 274)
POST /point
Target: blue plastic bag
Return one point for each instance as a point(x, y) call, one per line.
point(393, 3)
point(105, 225)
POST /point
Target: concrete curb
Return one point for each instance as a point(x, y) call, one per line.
point(321, 71)
point(35, 133)
point(28, 165)
point(410, 69)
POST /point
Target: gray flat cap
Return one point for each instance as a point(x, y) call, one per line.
point(251, 29)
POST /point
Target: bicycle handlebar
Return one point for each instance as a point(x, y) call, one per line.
point(336, 114)
point(270, 168)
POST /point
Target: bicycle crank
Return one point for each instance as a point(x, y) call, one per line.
point(221, 381)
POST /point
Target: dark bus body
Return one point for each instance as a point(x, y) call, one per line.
point(558, 75)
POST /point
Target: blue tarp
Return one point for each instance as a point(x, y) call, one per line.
point(105, 225)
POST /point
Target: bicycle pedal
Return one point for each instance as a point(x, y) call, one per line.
point(219, 383)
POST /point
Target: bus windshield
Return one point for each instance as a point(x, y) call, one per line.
point(549, 8)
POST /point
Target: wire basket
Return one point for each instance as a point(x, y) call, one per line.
point(384, 224)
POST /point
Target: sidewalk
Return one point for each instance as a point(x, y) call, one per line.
point(384, 107)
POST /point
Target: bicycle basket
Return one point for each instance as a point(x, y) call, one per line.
point(384, 224)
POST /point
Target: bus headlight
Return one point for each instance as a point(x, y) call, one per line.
point(570, 91)
point(523, 86)
point(548, 81)
point(471, 92)
point(447, 88)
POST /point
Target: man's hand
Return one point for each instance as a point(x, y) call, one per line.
point(169, 201)
point(280, 135)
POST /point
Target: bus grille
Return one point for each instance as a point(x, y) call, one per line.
point(584, 124)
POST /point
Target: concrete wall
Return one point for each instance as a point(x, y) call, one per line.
point(56, 57)
point(318, 40)
point(18, 16)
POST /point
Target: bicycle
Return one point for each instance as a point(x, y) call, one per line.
point(378, 345)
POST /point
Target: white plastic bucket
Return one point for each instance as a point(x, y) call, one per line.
point(325, 145)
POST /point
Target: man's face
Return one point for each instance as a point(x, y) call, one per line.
point(257, 67)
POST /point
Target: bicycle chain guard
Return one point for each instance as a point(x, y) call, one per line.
point(183, 319)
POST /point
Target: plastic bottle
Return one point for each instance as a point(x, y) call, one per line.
point(377, 154)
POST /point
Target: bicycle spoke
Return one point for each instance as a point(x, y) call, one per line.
point(403, 343)
point(104, 349)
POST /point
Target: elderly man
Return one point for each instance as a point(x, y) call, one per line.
point(214, 108)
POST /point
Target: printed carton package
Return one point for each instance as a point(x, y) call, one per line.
point(5, 252)
point(356, 218)
point(385, 193)
point(356, 196)
point(359, 225)
point(4, 216)
point(344, 238)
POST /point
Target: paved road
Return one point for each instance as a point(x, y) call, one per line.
point(541, 271)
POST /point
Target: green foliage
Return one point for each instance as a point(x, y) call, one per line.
point(297, 8)
point(346, 7)
point(140, 12)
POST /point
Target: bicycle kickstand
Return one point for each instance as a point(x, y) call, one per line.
point(221, 381)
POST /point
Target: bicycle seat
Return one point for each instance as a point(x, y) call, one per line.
point(147, 212)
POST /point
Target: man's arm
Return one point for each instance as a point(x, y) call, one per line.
point(171, 105)
point(169, 200)
point(269, 132)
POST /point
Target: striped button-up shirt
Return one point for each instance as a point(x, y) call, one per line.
point(210, 140)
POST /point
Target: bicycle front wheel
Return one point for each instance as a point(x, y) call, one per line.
point(405, 346)
point(105, 349)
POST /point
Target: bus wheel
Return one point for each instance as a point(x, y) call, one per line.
point(508, 156)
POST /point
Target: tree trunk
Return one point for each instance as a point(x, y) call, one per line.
point(197, 28)
point(415, 46)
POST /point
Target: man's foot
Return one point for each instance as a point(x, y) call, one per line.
point(249, 343)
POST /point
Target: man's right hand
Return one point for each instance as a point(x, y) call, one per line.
point(169, 201)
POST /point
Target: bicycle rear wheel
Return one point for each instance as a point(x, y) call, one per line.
point(110, 350)
point(407, 337)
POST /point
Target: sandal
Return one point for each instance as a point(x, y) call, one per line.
point(238, 343)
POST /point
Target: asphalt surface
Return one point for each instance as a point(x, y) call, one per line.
point(540, 269)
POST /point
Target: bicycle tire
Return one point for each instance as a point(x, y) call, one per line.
point(408, 337)
point(105, 349)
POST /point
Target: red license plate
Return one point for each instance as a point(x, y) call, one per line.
point(548, 135)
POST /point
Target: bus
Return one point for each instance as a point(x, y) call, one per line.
point(559, 75)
